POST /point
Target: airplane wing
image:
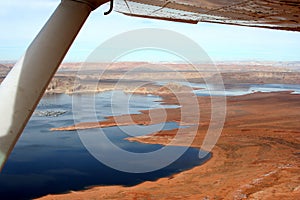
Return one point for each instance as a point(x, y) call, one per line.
point(273, 14)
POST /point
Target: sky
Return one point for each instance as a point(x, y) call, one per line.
point(20, 22)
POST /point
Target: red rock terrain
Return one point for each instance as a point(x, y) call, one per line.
point(256, 157)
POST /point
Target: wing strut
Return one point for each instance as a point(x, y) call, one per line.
point(24, 86)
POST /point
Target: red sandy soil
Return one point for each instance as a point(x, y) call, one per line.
point(256, 157)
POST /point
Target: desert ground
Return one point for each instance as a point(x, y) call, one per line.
point(256, 157)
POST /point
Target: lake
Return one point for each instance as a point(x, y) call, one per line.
point(45, 162)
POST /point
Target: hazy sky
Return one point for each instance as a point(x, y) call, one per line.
point(21, 20)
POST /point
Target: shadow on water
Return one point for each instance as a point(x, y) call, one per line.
point(45, 162)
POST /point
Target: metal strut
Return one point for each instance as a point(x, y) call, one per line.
point(111, 7)
point(23, 87)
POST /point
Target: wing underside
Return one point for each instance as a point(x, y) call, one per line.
point(274, 14)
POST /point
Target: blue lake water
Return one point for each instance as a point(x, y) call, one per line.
point(237, 89)
point(242, 89)
point(45, 162)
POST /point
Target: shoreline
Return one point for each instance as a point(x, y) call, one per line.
point(257, 155)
